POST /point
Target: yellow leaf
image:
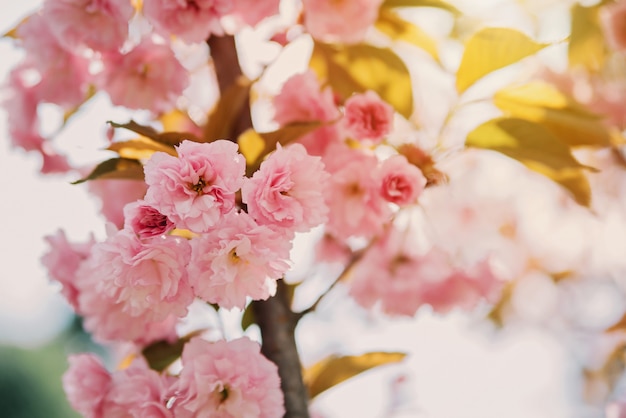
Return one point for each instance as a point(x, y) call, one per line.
point(140, 148)
point(115, 168)
point(399, 29)
point(251, 145)
point(223, 116)
point(540, 102)
point(586, 46)
point(334, 370)
point(175, 121)
point(356, 68)
point(537, 148)
point(421, 3)
point(491, 49)
point(12, 33)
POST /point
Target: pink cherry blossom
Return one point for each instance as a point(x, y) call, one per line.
point(114, 194)
point(367, 117)
point(145, 221)
point(302, 99)
point(287, 191)
point(402, 280)
point(613, 18)
point(86, 384)
point(252, 12)
point(402, 182)
point(238, 260)
point(344, 21)
point(129, 284)
point(101, 25)
point(198, 187)
point(353, 196)
point(21, 103)
point(63, 260)
point(148, 77)
point(227, 379)
point(190, 20)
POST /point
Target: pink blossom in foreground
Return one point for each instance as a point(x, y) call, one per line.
point(613, 18)
point(190, 20)
point(287, 191)
point(402, 281)
point(127, 285)
point(148, 77)
point(134, 392)
point(302, 99)
point(63, 260)
point(353, 195)
point(145, 221)
point(401, 182)
point(197, 188)
point(227, 379)
point(86, 384)
point(344, 21)
point(238, 260)
point(367, 117)
point(114, 194)
point(101, 25)
point(252, 12)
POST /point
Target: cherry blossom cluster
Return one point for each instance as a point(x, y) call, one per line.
point(222, 378)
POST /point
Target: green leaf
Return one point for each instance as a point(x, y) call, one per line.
point(421, 3)
point(491, 49)
point(569, 120)
point(399, 29)
point(248, 317)
point(356, 68)
point(224, 115)
point(537, 148)
point(115, 168)
point(161, 354)
point(586, 46)
point(167, 138)
point(334, 370)
point(140, 148)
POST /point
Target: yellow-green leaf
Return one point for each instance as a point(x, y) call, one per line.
point(356, 68)
point(569, 120)
point(247, 318)
point(251, 145)
point(115, 168)
point(223, 116)
point(586, 46)
point(167, 138)
point(334, 370)
point(140, 148)
point(161, 354)
point(399, 29)
point(490, 49)
point(536, 147)
point(421, 3)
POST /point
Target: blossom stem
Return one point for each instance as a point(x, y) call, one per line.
point(273, 316)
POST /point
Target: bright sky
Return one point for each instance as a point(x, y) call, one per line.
point(456, 369)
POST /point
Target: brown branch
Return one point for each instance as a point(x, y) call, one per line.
point(274, 316)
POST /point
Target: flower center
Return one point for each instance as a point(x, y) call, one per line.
point(199, 186)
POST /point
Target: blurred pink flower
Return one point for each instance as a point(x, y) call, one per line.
point(145, 221)
point(86, 384)
point(63, 260)
point(114, 194)
point(240, 259)
point(402, 182)
point(302, 99)
point(287, 191)
point(227, 379)
point(251, 12)
point(147, 77)
point(353, 195)
point(196, 189)
point(613, 18)
point(190, 20)
point(101, 25)
point(344, 21)
point(367, 117)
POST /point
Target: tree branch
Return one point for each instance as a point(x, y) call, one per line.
point(274, 316)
